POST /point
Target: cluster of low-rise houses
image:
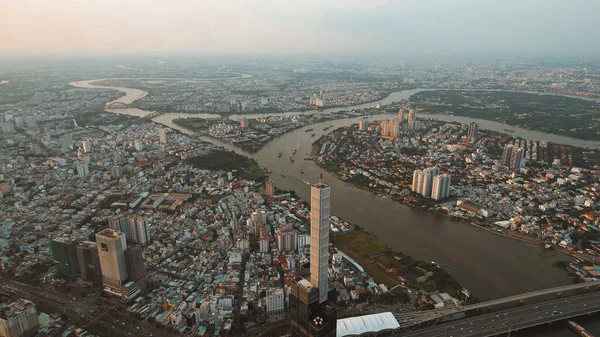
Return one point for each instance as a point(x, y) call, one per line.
point(212, 245)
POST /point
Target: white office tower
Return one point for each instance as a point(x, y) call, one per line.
point(162, 136)
point(401, 116)
point(111, 250)
point(83, 170)
point(441, 187)
point(319, 237)
point(86, 146)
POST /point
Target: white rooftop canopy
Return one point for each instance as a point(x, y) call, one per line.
point(368, 323)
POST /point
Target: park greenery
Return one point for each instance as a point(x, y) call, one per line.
point(570, 116)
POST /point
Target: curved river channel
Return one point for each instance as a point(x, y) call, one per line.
point(488, 265)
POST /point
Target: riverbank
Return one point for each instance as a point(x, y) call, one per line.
point(395, 269)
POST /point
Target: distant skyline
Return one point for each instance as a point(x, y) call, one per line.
point(404, 27)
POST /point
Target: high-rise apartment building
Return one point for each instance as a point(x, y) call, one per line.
point(243, 123)
point(389, 129)
point(64, 253)
point(286, 239)
point(441, 187)
point(135, 227)
point(270, 188)
point(89, 262)
point(31, 123)
point(411, 117)
point(83, 170)
point(19, 319)
point(423, 181)
point(363, 125)
point(473, 130)
point(162, 136)
point(275, 301)
point(401, 116)
point(512, 157)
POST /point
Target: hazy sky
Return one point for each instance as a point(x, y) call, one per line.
point(433, 27)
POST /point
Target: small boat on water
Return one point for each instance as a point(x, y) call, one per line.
point(447, 265)
point(327, 128)
point(313, 135)
point(283, 175)
point(279, 155)
point(308, 130)
point(301, 171)
point(294, 152)
point(292, 159)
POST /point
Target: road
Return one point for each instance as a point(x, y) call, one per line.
point(514, 319)
point(113, 320)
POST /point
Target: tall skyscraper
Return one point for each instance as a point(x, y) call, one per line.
point(473, 130)
point(401, 116)
point(64, 253)
point(83, 170)
point(319, 237)
point(312, 307)
point(111, 250)
point(441, 187)
point(243, 123)
point(162, 136)
point(89, 262)
point(19, 319)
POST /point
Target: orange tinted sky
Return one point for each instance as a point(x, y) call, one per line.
point(289, 26)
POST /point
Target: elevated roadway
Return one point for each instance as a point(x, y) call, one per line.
point(515, 319)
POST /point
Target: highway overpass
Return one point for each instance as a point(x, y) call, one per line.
point(501, 315)
point(525, 316)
